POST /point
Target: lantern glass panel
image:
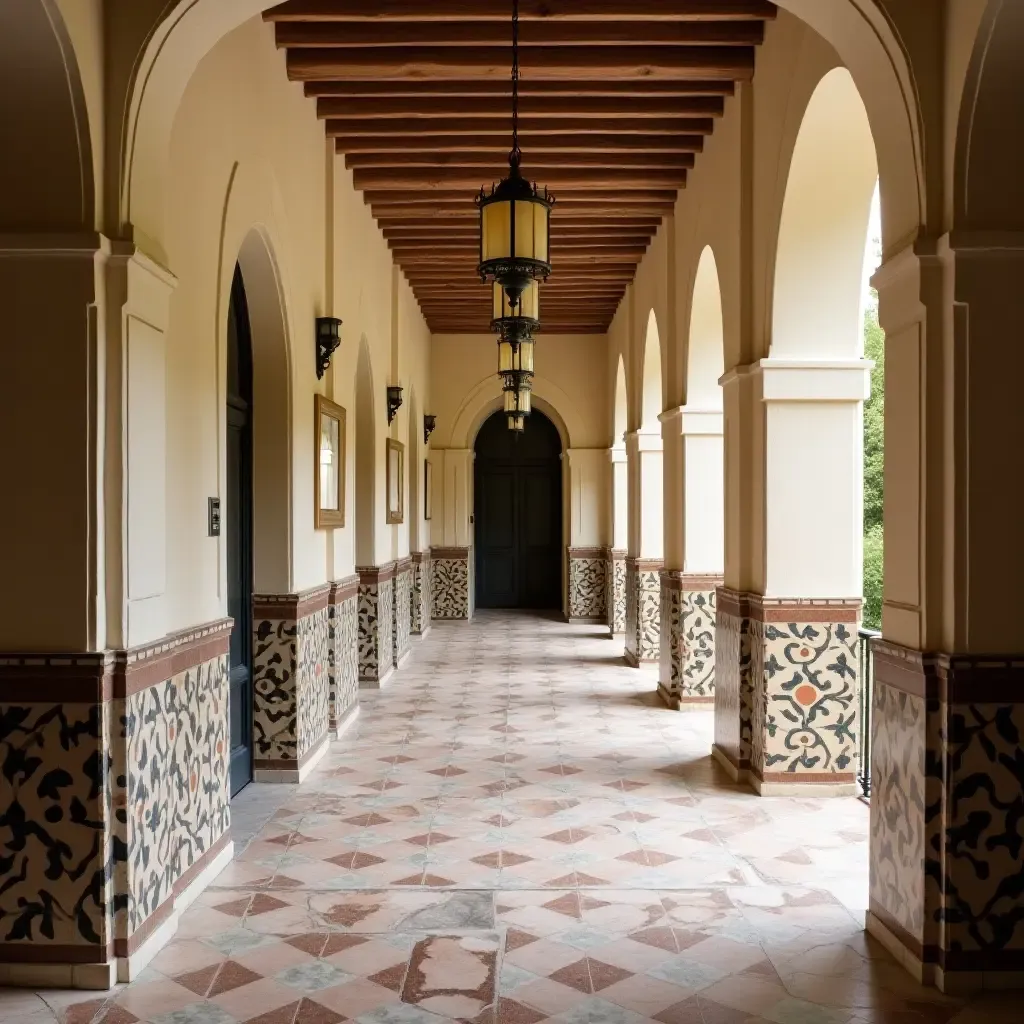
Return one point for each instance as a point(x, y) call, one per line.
point(496, 233)
point(516, 423)
point(525, 404)
point(510, 402)
point(524, 357)
point(526, 232)
point(541, 228)
point(504, 357)
point(529, 303)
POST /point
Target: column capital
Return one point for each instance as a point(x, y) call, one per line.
point(815, 380)
point(643, 441)
point(686, 420)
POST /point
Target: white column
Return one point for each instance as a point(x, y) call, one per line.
point(644, 451)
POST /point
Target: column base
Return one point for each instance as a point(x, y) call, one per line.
point(403, 660)
point(802, 785)
point(421, 633)
point(676, 703)
point(376, 682)
point(294, 772)
point(733, 770)
point(345, 723)
point(592, 620)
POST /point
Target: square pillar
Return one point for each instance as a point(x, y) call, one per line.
point(422, 602)
point(291, 683)
point(401, 632)
point(343, 609)
point(376, 624)
point(587, 585)
point(643, 611)
point(787, 665)
point(687, 650)
point(644, 561)
point(615, 584)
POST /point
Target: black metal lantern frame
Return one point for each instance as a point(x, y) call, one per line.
point(328, 338)
point(394, 401)
point(515, 216)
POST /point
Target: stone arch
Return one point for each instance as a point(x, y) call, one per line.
point(705, 350)
point(651, 396)
point(272, 411)
point(816, 304)
point(46, 174)
point(366, 459)
point(486, 397)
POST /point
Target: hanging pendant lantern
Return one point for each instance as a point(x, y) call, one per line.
point(515, 216)
point(517, 389)
point(515, 325)
point(517, 422)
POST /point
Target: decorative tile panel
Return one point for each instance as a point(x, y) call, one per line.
point(632, 609)
point(344, 663)
point(643, 610)
point(422, 603)
point(450, 582)
point(402, 624)
point(291, 676)
point(586, 582)
point(733, 685)
point(687, 673)
point(615, 572)
point(805, 714)
point(376, 622)
point(178, 787)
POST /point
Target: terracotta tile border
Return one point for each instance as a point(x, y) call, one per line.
point(343, 589)
point(453, 554)
point(370, 574)
point(952, 678)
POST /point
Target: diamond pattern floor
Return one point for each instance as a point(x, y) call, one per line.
point(516, 832)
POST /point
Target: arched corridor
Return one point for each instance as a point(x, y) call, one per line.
point(518, 781)
point(484, 387)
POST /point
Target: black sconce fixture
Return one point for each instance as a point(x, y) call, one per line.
point(394, 401)
point(429, 422)
point(328, 338)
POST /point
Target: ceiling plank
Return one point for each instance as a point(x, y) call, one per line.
point(540, 62)
point(624, 124)
point(529, 10)
point(463, 198)
point(466, 107)
point(532, 144)
point(477, 33)
point(427, 179)
point(493, 164)
point(632, 88)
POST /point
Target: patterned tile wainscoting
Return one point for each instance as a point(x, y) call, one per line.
point(115, 802)
point(615, 591)
point(422, 603)
point(787, 692)
point(343, 609)
point(587, 599)
point(450, 582)
point(947, 815)
point(401, 630)
point(291, 683)
point(643, 610)
point(376, 623)
point(687, 672)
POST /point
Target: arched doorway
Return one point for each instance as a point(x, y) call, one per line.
point(518, 514)
point(238, 532)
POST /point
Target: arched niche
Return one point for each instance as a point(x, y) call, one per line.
point(46, 170)
point(271, 415)
point(651, 399)
point(366, 459)
point(620, 412)
point(705, 354)
point(816, 307)
point(988, 185)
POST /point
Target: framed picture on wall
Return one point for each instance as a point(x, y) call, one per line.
point(428, 490)
point(396, 481)
point(328, 464)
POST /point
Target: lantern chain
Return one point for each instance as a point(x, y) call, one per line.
point(515, 156)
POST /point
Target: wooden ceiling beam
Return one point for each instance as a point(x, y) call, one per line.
point(345, 35)
point(418, 146)
point(529, 10)
point(557, 125)
point(427, 179)
point(468, 107)
point(578, 203)
point(632, 88)
point(494, 165)
point(538, 62)
point(560, 228)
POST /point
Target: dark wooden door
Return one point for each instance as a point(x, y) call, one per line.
point(518, 515)
point(237, 532)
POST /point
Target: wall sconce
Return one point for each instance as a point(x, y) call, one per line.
point(394, 401)
point(429, 422)
point(328, 338)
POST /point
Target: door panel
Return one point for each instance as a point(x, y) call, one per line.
point(518, 515)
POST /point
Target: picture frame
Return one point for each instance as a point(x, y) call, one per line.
point(428, 490)
point(395, 452)
point(329, 441)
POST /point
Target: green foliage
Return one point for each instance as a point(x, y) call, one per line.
point(874, 460)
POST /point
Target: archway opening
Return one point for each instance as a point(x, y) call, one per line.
point(518, 514)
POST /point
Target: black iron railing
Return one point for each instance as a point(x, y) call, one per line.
point(867, 679)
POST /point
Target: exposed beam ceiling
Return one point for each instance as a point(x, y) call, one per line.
point(618, 98)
